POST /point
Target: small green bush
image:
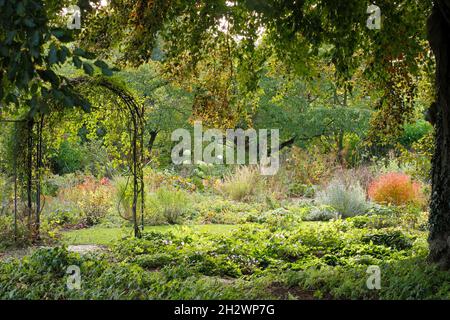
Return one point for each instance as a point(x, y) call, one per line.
point(372, 221)
point(280, 218)
point(7, 232)
point(207, 209)
point(70, 158)
point(302, 190)
point(321, 213)
point(153, 261)
point(378, 209)
point(413, 132)
point(393, 239)
point(62, 214)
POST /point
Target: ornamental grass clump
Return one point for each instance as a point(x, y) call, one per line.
point(347, 199)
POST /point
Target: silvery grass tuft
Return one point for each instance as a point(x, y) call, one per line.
point(347, 199)
point(322, 213)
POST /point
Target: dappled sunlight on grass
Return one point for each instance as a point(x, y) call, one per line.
point(105, 236)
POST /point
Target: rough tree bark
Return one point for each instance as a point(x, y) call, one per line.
point(439, 38)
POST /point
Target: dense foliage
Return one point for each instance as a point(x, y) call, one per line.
point(88, 117)
point(282, 258)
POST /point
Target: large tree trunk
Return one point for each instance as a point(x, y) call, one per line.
point(439, 38)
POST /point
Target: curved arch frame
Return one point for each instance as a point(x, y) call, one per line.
point(34, 130)
point(137, 113)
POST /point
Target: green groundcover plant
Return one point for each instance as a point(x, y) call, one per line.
point(255, 261)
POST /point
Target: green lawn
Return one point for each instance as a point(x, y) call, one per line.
point(105, 236)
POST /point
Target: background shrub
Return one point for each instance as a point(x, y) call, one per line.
point(413, 132)
point(310, 167)
point(59, 214)
point(418, 158)
point(396, 188)
point(394, 239)
point(93, 197)
point(7, 232)
point(222, 211)
point(362, 175)
point(301, 190)
point(69, 158)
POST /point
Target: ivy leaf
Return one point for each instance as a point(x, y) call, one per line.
point(77, 62)
point(3, 51)
point(52, 54)
point(34, 88)
point(79, 52)
point(104, 67)
point(62, 54)
point(88, 68)
point(101, 64)
point(20, 9)
point(12, 72)
point(68, 102)
point(83, 53)
point(107, 72)
point(11, 98)
point(35, 38)
point(62, 35)
point(58, 95)
point(81, 102)
point(34, 103)
point(32, 112)
point(49, 76)
point(10, 36)
point(29, 23)
point(35, 52)
point(43, 108)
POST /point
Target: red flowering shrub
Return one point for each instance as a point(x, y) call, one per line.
point(92, 197)
point(396, 188)
point(104, 182)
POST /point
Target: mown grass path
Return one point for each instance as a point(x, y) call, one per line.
point(105, 236)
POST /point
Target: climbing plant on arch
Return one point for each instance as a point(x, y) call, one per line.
point(133, 113)
point(110, 101)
